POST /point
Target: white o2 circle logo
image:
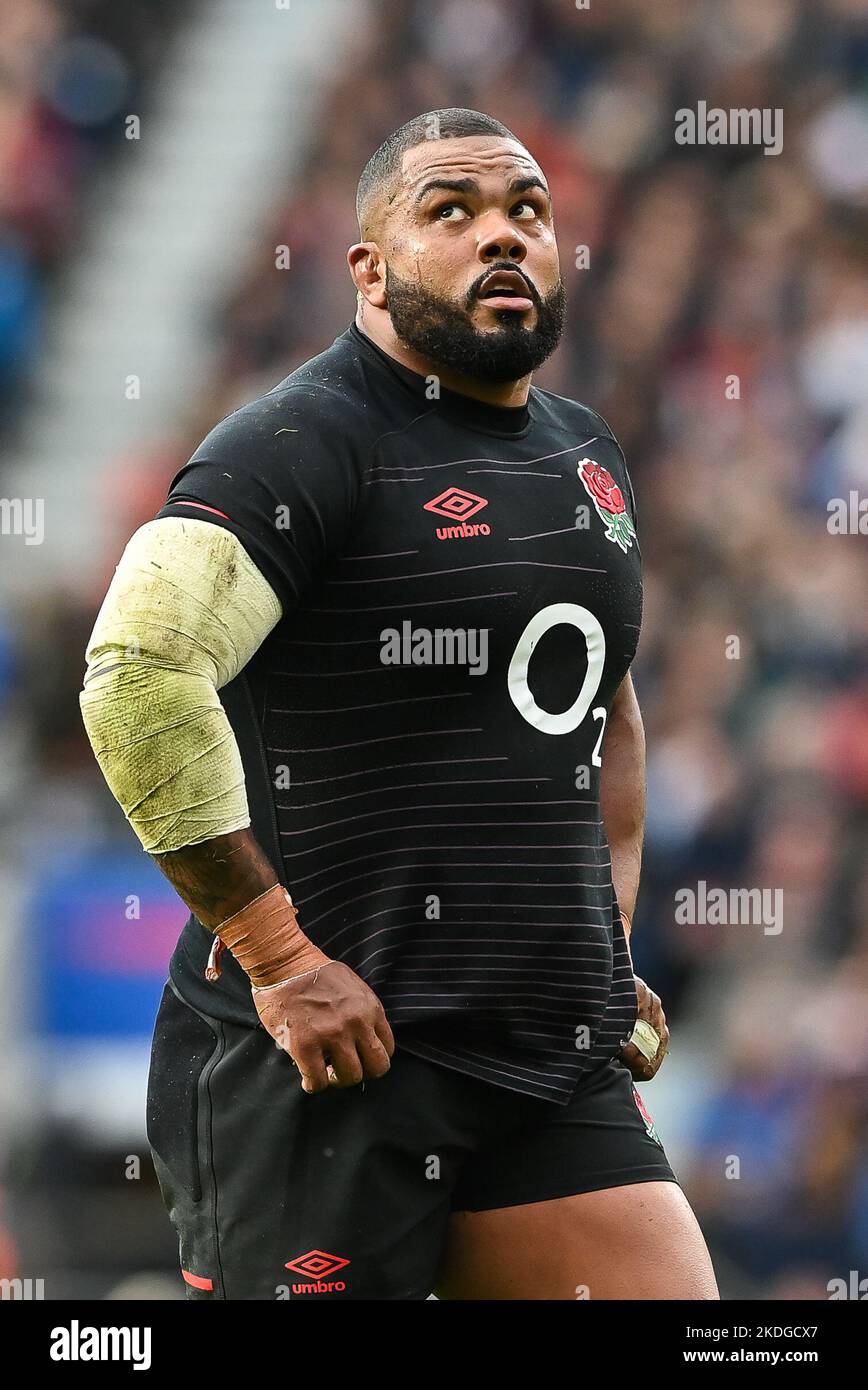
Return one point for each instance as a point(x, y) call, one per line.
point(516, 676)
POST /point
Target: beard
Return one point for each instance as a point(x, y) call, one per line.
point(444, 331)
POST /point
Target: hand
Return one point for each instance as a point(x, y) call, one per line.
point(332, 1025)
point(651, 1010)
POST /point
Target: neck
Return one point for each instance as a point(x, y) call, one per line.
point(381, 332)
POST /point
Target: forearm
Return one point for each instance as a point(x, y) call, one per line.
point(219, 877)
point(230, 885)
point(622, 794)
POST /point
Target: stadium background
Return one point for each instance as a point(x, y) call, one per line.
point(140, 302)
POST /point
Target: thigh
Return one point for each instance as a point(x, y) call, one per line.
point(576, 1201)
point(636, 1242)
point(275, 1194)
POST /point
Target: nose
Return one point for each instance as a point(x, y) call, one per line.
point(499, 241)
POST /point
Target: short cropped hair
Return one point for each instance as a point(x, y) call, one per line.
point(379, 176)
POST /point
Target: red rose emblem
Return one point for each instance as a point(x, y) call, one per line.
point(609, 502)
point(650, 1127)
point(602, 487)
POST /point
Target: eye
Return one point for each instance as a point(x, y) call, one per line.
point(449, 208)
point(531, 211)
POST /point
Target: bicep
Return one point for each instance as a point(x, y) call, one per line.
point(185, 595)
point(624, 748)
point(625, 705)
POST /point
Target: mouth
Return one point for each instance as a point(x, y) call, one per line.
point(505, 289)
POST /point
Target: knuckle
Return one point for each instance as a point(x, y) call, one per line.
point(333, 1030)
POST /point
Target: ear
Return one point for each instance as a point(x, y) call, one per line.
point(368, 268)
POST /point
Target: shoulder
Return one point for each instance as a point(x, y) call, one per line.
point(573, 415)
point(302, 414)
point(596, 434)
point(322, 400)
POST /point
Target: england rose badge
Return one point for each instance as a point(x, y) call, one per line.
point(608, 499)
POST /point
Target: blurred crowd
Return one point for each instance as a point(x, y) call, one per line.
point(69, 74)
point(719, 321)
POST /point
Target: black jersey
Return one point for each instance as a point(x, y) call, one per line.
point(423, 731)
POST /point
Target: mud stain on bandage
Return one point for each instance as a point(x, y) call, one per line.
point(169, 636)
point(226, 577)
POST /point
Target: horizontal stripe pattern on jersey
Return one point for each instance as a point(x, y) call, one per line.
point(423, 732)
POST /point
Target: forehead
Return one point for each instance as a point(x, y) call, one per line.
point(483, 157)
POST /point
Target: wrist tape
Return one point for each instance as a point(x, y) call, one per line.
point(266, 940)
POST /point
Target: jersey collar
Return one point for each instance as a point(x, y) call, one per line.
point(512, 421)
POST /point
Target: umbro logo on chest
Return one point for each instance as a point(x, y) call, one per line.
point(458, 505)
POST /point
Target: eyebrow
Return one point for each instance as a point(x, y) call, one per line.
point(468, 185)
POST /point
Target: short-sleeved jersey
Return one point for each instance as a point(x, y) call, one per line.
point(423, 731)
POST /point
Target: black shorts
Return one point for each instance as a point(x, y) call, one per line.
point(278, 1194)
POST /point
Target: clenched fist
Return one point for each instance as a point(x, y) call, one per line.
point(651, 1010)
point(332, 1025)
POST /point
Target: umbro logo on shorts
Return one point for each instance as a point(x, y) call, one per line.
point(318, 1264)
point(458, 505)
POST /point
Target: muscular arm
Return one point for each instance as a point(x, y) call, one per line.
point(219, 876)
point(185, 611)
point(622, 793)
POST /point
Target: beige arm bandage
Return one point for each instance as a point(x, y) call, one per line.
point(185, 611)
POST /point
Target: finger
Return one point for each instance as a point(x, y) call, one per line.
point(640, 1068)
point(312, 1065)
point(647, 1004)
point(345, 1063)
point(631, 1057)
point(375, 1058)
point(384, 1032)
point(657, 1020)
point(639, 1064)
point(655, 1009)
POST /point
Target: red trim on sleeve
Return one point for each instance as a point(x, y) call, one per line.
point(202, 507)
point(196, 1281)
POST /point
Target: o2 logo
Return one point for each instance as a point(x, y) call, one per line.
point(516, 676)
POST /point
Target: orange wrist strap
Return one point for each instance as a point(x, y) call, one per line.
point(266, 940)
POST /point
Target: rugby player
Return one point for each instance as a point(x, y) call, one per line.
point(397, 1049)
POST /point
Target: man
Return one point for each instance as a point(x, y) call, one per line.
point(397, 1048)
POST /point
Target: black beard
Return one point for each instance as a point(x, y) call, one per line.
point(443, 331)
